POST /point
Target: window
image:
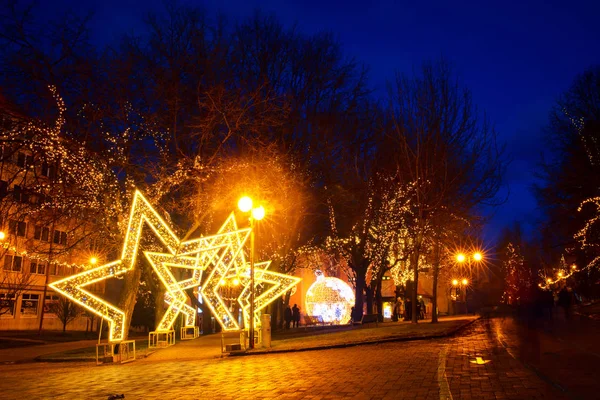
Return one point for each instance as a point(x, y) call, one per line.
point(18, 228)
point(24, 160)
point(13, 263)
point(42, 233)
point(50, 304)
point(52, 268)
point(7, 304)
point(30, 304)
point(37, 268)
point(3, 189)
point(60, 237)
point(20, 195)
point(48, 170)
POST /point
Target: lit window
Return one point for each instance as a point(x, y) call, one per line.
point(30, 304)
point(7, 304)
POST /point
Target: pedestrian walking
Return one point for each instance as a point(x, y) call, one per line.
point(287, 316)
point(421, 308)
point(407, 309)
point(295, 316)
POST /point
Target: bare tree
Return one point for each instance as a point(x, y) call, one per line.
point(442, 148)
point(65, 310)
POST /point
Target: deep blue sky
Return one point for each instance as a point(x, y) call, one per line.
point(515, 56)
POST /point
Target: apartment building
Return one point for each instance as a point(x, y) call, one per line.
point(40, 241)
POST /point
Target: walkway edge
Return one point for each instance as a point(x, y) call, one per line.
point(448, 333)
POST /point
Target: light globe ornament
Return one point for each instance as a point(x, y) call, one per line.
point(331, 298)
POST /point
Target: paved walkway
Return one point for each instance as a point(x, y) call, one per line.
point(209, 346)
point(29, 353)
point(438, 369)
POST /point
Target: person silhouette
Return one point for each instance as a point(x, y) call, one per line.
point(287, 316)
point(295, 316)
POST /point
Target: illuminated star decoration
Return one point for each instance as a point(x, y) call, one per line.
point(73, 286)
point(175, 297)
point(232, 263)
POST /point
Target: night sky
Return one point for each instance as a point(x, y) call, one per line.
point(516, 58)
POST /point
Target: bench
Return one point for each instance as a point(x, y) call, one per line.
point(313, 320)
point(368, 319)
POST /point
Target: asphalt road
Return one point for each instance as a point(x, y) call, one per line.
point(491, 359)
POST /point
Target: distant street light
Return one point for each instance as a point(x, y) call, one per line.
point(245, 204)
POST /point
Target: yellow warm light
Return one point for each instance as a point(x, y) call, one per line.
point(460, 257)
point(477, 256)
point(2, 235)
point(465, 281)
point(232, 263)
point(235, 281)
point(245, 204)
point(454, 282)
point(175, 296)
point(549, 280)
point(141, 211)
point(560, 274)
point(574, 266)
point(258, 213)
point(93, 260)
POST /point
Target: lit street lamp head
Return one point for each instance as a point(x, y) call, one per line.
point(477, 256)
point(455, 282)
point(245, 204)
point(2, 235)
point(93, 260)
point(258, 213)
point(460, 257)
point(465, 282)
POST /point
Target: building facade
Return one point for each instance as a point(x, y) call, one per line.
point(39, 243)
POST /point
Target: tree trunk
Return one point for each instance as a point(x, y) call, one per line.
point(414, 297)
point(436, 272)
point(379, 299)
point(358, 301)
point(131, 283)
point(369, 298)
point(159, 306)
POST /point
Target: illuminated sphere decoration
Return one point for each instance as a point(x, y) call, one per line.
point(331, 298)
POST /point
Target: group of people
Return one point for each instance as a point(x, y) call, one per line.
point(404, 310)
point(291, 316)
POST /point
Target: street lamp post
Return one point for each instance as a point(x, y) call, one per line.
point(258, 213)
point(469, 259)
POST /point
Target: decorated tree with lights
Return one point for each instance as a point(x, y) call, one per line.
point(517, 278)
point(570, 177)
point(438, 143)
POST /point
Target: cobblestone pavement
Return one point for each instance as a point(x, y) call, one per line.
point(428, 369)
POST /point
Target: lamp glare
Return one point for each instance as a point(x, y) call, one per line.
point(477, 256)
point(245, 204)
point(460, 257)
point(258, 213)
